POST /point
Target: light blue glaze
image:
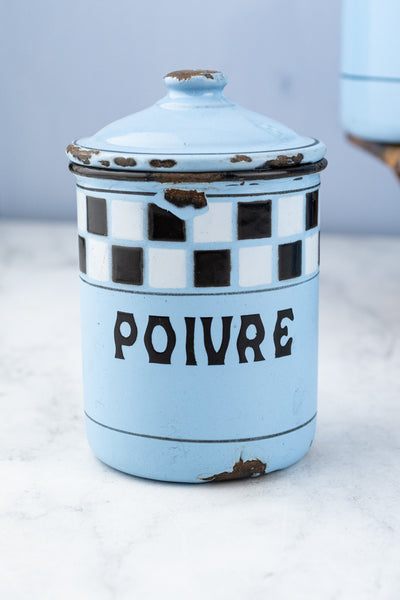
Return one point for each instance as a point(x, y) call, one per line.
point(370, 100)
point(188, 419)
point(131, 403)
point(199, 129)
point(143, 402)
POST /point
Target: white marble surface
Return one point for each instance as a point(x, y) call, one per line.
point(327, 528)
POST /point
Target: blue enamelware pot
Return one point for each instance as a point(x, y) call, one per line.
point(371, 69)
point(199, 256)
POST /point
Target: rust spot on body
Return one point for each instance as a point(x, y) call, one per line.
point(82, 155)
point(183, 198)
point(283, 161)
point(166, 164)
point(125, 162)
point(241, 469)
point(240, 158)
point(105, 163)
point(189, 73)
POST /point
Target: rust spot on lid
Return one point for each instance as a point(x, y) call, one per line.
point(167, 163)
point(240, 158)
point(241, 469)
point(105, 163)
point(82, 155)
point(183, 198)
point(125, 162)
point(189, 73)
point(283, 161)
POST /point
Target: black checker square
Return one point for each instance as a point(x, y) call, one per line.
point(82, 253)
point(212, 268)
point(290, 260)
point(164, 226)
point(96, 210)
point(127, 265)
point(254, 220)
point(311, 210)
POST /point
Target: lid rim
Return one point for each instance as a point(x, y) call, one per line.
point(196, 162)
point(199, 176)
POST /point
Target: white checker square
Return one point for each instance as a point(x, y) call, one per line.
point(167, 268)
point(255, 265)
point(312, 244)
point(215, 225)
point(81, 210)
point(290, 215)
point(127, 220)
point(97, 259)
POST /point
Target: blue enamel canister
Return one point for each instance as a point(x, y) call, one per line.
point(199, 257)
point(370, 86)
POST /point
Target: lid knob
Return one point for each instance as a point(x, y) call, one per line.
point(196, 81)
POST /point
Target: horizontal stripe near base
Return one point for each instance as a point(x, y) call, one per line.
point(169, 439)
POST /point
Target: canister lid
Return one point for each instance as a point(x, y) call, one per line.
point(195, 128)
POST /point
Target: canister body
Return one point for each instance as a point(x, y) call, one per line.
point(199, 326)
point(370, 98)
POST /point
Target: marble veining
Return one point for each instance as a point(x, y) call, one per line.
point(328, 527)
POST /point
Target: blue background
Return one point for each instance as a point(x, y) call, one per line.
point(68, 68)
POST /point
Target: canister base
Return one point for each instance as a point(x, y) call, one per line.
point(197, 462)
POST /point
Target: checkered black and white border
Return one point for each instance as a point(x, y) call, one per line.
point(243, 244)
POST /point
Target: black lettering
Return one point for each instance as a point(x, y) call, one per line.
point(243, 342)
point(190, 355)
point(216, 357)
point(280, 332)
point(122, 340)
point(162, 358)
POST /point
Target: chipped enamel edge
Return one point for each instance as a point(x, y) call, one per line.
point(127, 161)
